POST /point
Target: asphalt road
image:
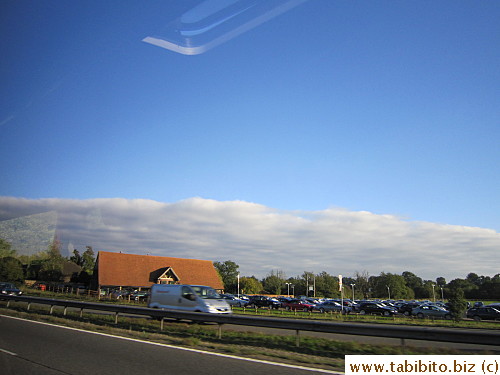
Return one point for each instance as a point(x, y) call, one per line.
point(28, 347)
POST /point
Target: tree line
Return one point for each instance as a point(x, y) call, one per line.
point(47, 265)
point(406, 286)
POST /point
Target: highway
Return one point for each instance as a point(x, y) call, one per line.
point(28, 347)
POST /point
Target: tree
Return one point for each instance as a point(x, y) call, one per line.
point(11, 269)
point(76, 258)
point(5, 249)
point(88, 260)
point(441, 282)
point(52, 266)
point(274, 282)
point(469, 289)
point(457, 303)
point(415, 283)
point(362, 284)
point(326, 285)
point(392, 286)
point(250, 285)
point(228, 272)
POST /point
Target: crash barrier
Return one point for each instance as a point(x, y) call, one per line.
point(454, 335)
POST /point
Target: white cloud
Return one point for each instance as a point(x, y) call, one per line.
point(261, 239)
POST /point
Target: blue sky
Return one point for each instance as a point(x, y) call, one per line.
point(379, 106)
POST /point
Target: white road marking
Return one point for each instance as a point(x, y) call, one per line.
point(179, 347)
point(7, 352)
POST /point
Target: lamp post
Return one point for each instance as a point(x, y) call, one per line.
point(389, 291)
point(433, 294)
point(293, 290)
point(238, 286)
point(442, 294)
point(352, 286)
point(288, 285)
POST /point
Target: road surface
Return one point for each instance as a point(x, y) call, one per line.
point(28, 347)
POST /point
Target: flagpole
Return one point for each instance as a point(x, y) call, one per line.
point(238, 285)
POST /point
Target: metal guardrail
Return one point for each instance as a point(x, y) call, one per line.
point(455, 335)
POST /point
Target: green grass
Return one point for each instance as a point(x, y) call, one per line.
point(351, 318)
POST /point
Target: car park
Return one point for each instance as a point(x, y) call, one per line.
point(298, 305)
point(139, 295)
point(407, 308)
point(332, 306)
point(119, 294)
point(484, 313)
point(425, 311)
point(283, 300)
point(376, 308)
point(263, 301)
point(234, 301)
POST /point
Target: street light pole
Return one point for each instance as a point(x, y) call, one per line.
point(442, 294)
point(389, 291)
point(433, 294)
point(238, 285)
point(288, 285)
point(352, 286)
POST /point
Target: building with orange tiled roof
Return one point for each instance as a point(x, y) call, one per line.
point(141, 271)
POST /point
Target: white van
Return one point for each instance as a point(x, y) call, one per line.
point(187, 298)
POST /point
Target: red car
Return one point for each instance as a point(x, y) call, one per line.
point(297, 304)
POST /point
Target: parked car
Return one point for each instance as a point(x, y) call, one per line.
point(263, 301)
point(120, 294)
point(376, 308)
point(283, 300)
point(484, 312)
point(332, 306)
point(139, 295)
point(407, 308)
point(234, 301)
point(297, 304)
point(425, 311)
point(10, 289)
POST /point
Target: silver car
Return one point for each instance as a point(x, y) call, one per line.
point(426, 311)
point(332, 306)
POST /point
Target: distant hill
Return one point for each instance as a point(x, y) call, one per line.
point(30, 234)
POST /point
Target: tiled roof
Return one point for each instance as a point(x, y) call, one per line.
point(119, 269)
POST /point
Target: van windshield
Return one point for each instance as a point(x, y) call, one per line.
point(205, 292)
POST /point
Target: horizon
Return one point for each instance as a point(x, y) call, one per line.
point(259, 239)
